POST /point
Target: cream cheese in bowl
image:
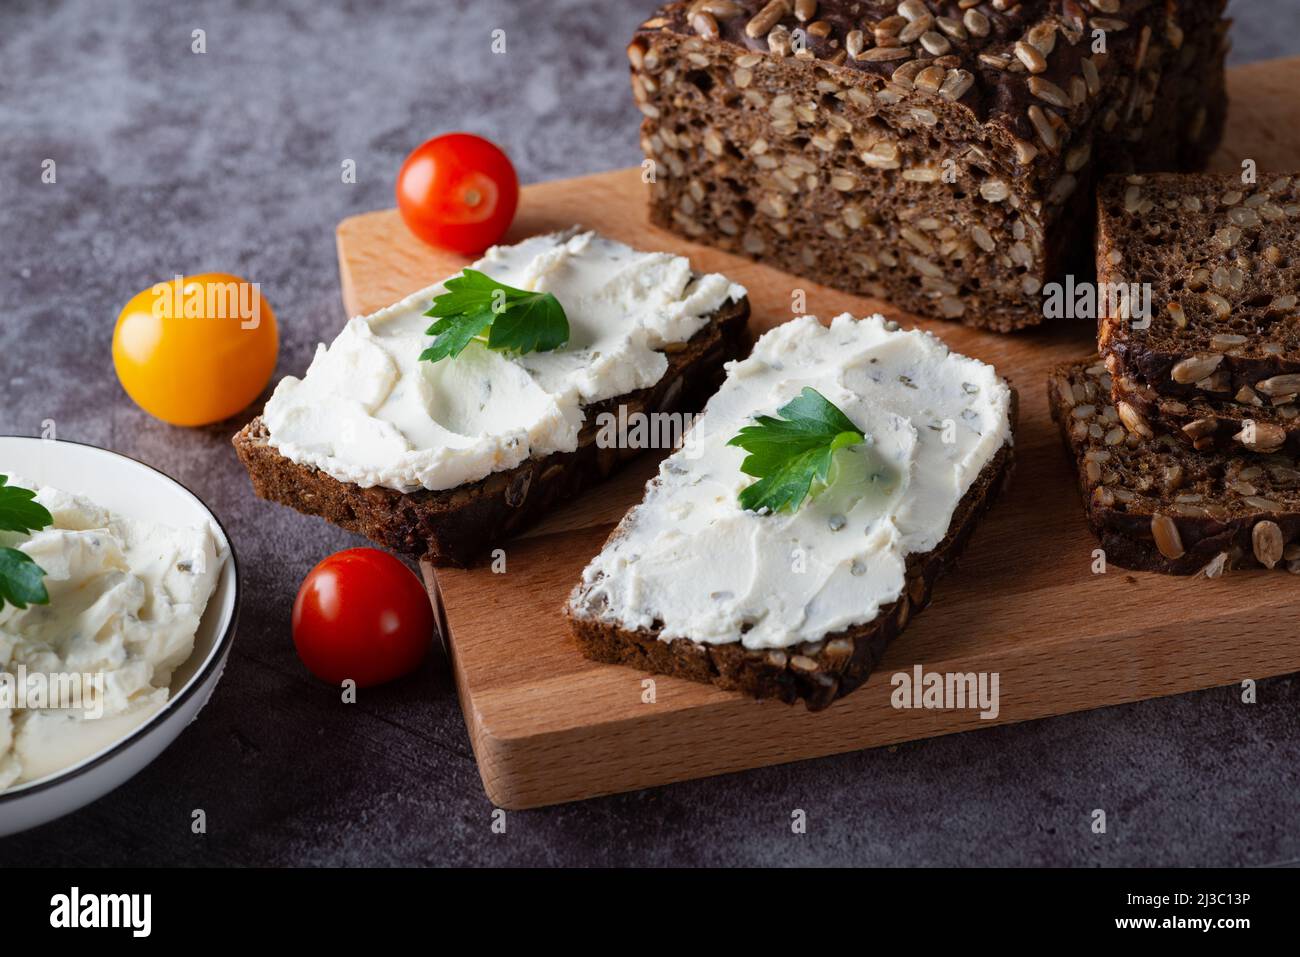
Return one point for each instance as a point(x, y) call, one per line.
point(144, 598)
point(126, 597)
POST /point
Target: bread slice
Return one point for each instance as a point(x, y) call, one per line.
point(1223, 263)
point(457, 526)
point(1158, 505)
point(818, 671)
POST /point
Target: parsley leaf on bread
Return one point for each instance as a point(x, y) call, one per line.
point(476, 307)
point(788, 455)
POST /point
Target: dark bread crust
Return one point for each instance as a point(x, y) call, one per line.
point(1168, 230)
point(816, 672)
point(457, 526)
point(1213, 501)
point(763, 153)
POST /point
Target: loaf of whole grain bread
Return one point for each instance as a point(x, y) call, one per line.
point(938, 154)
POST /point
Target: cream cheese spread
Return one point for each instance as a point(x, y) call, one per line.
point(369, 412)
point(126, 597)
point(690, 560)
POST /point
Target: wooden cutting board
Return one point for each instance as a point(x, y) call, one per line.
point(549, 726)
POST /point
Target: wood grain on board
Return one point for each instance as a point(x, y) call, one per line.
point(549, 726)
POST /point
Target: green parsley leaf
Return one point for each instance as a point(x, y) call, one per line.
point(790, 454)
point(20, 580)
point(18, 510)
point(476, 307)
point(20, 577)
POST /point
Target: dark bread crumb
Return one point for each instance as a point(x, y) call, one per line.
point(1222, 348)
point(1205, 423)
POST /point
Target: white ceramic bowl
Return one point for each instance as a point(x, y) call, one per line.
point(135, 490)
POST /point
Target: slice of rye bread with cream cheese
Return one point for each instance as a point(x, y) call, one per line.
point(800, 606)
point(458, 525)
point(1159, 505)
point(1222, 347)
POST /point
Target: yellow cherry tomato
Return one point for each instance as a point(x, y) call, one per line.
point(196, 349)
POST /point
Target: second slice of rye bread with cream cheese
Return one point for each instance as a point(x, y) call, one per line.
point(444, 460)
point(800, 605)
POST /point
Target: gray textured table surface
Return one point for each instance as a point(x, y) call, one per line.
point(169, 161)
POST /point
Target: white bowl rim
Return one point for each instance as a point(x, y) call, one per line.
point(218, 655)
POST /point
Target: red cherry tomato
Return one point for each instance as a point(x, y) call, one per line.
point(361, 614)
point(458, 191)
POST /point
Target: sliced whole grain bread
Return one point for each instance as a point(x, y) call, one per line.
point(1158, 505)
point(1223, 262)
point(458, 526)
